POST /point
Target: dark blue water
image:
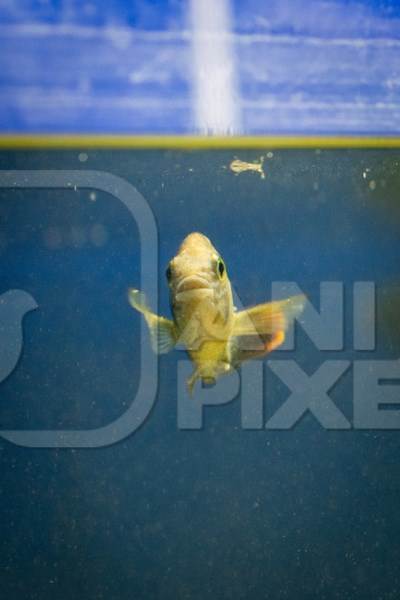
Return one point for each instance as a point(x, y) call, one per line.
point(220, 512)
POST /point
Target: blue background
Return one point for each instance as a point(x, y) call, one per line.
point(302, 66)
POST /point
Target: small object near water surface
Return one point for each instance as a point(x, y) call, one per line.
point(240, 166)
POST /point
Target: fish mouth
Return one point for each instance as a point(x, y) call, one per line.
point(192, 282)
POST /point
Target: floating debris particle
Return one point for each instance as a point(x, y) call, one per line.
point(240, 166)
point(372, 185)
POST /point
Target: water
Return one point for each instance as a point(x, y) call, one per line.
point(219, 512)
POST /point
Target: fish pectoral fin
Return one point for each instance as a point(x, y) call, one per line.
point(137, 300)
point(269, 318)
point(162, 331)
point(162, 335)
point(261, 329)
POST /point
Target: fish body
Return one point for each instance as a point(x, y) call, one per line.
point(240, 166)
point(217, 337)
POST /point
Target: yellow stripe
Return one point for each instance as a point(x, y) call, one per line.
point(79, 141)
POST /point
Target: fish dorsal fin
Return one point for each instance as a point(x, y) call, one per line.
point(162, 330)
point(269, 318)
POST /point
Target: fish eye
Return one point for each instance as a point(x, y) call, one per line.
point(220, 268)
point(168, 273)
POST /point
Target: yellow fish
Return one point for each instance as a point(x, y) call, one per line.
point(239, 166)
point(217, 337)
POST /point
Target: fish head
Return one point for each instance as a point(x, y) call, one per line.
point(198, 282)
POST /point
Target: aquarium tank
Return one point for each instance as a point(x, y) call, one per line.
point(199, 310)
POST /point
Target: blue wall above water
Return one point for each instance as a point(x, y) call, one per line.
point(123, 66)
